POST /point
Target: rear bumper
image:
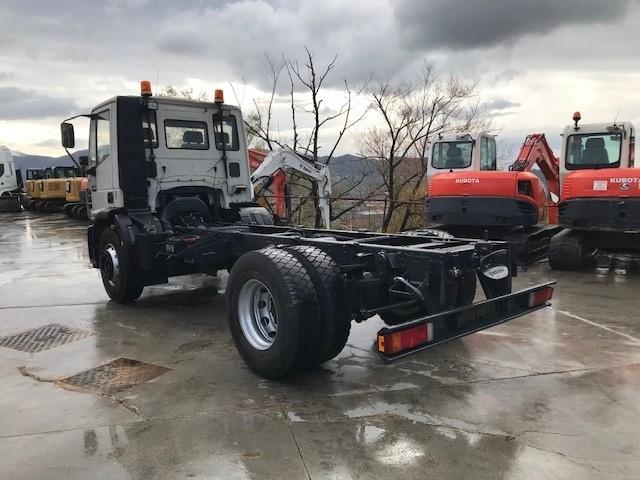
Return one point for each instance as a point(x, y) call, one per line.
point(476, 317)
point(619, 214)
point(489, 211)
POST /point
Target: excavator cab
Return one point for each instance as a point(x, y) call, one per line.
point(465, 152)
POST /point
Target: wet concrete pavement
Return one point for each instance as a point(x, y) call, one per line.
point(555, 394)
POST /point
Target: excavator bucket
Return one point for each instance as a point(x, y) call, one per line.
point(10, 203)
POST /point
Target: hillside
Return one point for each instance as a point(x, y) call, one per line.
point(24, 161)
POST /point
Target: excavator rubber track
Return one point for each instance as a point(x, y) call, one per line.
point(532, 245)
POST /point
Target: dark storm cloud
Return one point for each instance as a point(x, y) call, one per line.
point(239, 34)
point(463, 24)
point(499, 104)
point(181, 42)
point(17, 103)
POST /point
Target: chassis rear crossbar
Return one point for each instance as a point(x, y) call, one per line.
point(423, 333)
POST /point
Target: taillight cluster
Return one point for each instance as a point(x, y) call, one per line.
point(405, 339)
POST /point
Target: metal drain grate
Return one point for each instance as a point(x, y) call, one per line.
point(43, 338)
point(114, 376)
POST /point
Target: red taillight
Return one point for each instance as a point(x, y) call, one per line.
point(540, 297)
point(408, 339)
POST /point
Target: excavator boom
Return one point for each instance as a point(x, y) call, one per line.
point(536, 151)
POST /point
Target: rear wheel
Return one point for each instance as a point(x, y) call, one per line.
point(567, 251)
point(334, 310)
point(120, 282)
point(273, 312)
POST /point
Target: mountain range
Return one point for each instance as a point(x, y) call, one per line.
point(23, 161)
point(341, 166)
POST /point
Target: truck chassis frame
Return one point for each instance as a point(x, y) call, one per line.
point(382, 273)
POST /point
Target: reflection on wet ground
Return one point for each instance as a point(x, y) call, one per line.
point(555, 394)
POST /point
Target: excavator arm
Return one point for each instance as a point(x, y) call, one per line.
point(276, 162)
point(536, 151)
point(278, 183)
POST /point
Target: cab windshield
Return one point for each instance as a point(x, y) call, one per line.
point(592, 150)
point(63, 172)
point(449, 155)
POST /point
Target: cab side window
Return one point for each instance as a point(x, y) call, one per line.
point(100, 131)
point(226, 131)
point(488, 154)
point(150, 129)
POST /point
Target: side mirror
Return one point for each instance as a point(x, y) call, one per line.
point(68, 136)
point(83, 160)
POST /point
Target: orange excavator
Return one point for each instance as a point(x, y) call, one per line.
point(600, 204)
point(471, 199)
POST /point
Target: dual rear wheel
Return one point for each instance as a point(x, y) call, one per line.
point(287, 309)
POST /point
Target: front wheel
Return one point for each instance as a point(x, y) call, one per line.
point(120, 282)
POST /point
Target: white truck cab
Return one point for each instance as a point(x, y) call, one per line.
point(472, 152)
point(145, 151)
point(8, 175)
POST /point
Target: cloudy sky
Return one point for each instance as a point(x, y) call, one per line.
point(535, 61)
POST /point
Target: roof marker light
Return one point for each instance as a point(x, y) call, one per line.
point(576, 119)
point(145, 88)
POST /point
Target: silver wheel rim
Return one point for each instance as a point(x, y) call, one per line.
point(109, 265)
point(257, 314)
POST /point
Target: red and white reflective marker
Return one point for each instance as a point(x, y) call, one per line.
point(408, 339)
point(540, 297)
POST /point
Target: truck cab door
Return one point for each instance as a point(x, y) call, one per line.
point(103, 162)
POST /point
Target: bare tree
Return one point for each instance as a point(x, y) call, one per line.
point(410, 114)
point(259, 121)
point(183, 92)
point(305, 99)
